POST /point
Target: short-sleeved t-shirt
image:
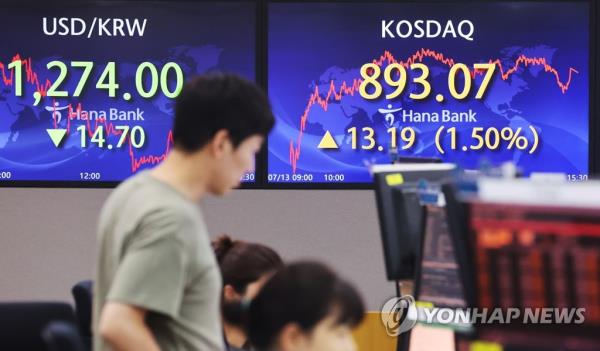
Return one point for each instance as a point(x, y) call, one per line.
point(154, 253)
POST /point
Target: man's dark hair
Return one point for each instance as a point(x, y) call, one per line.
point(217, 101)
point(304, 293)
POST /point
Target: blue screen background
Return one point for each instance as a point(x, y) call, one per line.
point(314, 45)
point(199, 36)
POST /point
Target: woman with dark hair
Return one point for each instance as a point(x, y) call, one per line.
point(305, 307)
point(245, 268)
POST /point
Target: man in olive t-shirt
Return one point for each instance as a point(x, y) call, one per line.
point(153, 247)
point(157, 284)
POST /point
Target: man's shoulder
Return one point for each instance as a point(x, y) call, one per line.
point(142, 201)
point(142, 191)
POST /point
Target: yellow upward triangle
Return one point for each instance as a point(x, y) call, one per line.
point(328, 142)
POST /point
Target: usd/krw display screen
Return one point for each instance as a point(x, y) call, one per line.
point(353, 84)
point(87, 89)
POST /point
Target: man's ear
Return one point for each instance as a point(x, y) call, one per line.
point(219, 143)
point(229, 293)
point(292, 337)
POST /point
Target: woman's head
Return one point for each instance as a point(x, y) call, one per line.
point(305, 307)
point(245, 268)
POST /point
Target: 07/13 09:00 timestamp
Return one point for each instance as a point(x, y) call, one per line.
point(306, 177)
